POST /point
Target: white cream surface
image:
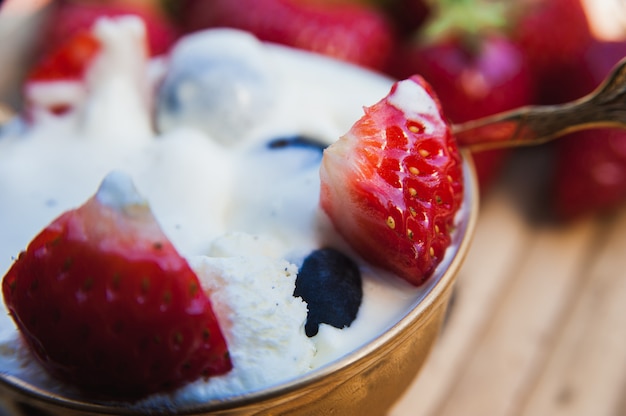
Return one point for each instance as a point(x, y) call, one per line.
point(230, 204)
point(414, 101)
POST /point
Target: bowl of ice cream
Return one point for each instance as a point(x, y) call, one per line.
point(224, 138)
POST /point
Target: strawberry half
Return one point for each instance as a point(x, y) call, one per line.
point(106, 303)
point(393, 184)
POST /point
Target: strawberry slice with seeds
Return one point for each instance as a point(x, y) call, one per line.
point(106, 303)
point(393, 184)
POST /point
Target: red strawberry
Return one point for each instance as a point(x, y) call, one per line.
point(69, 61)
point(475, 68)
point(393, 184)
point(553, 34)
point(70, 17)
point(348, 31)
point(590, 166)
point(407, 15)
point(472, 81)
point(590, 173)
point(106, 303)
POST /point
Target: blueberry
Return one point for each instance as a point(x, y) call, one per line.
point(219, 81)
point(295, 153)
point(330, 283)
point(297, 141)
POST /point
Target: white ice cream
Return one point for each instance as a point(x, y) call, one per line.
point(244, 215)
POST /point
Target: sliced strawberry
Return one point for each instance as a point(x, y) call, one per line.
point(106, 303)
point(349, 31)
point(393, 184)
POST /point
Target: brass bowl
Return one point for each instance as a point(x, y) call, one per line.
point(366, 381)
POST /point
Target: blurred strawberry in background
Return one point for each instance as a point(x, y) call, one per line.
point(67, 17)
point(568, 61)
point(590, 166)
point(554, 35)
point(351, 31)
point(407, 15)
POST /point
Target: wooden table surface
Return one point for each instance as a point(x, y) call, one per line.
point(538, 322)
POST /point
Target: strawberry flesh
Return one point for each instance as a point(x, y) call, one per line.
point(106, 303)
point(393, 184)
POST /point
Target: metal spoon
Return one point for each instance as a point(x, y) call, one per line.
point(604, 107)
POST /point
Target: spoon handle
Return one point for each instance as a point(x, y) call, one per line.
point(604, 107)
